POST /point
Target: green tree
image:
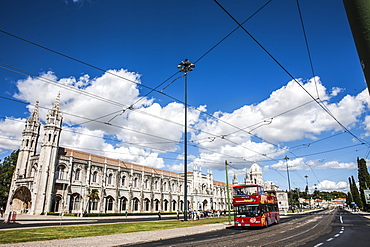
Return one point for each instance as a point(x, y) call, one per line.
point(349, 199)
point(92, 196)
point(363, 180)
point(338, 194)
point(354, 192)
point(316, 194)
point(6, 172)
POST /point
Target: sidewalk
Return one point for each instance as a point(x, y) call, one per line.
point(107, 240)
point(126, 238)
point(363, 214)
point(26, 219)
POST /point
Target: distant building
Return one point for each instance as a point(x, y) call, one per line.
point(339, 202)
point(254, 176)
point(283, 201)
point(60, 179)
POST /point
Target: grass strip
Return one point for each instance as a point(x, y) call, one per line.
point(65, 232)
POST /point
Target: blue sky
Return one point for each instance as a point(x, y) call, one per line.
point(245, 108)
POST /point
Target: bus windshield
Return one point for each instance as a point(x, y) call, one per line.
point(247, 210)
point(248, 190)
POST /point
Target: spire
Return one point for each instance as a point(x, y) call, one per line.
point(195, 169)
point(55, 116)
point(33, 122)
point(235, 179)
point(35, 113)
point(56, 107)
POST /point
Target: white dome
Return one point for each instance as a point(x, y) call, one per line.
point(255, 168)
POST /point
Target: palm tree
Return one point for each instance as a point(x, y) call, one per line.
point(92, 196)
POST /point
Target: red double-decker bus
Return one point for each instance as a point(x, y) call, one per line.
point(254, 207)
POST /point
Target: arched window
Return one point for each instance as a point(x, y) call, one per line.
point(77, 174)
point(173, 205)
point(156, 185)
point(123, 180)
point(135, 204)
point(33, 170)
point(110, 178)
point(94, 177)
point(147, 204)
point(146, 184)
point(56, 203)
point(165, 205)
point(173, 187)
point(75, 202)
point(93, 205)
point(136, 182)
point(60, 172)
point(123, 204)
point(156, 204)
point(109, 203)
point(165, 186)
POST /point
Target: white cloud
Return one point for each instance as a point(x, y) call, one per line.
point(141, 132)
point(337, 165)
point(336, 90)
point(288, 115)
point(301, 164)
point(148, 129)
point(176, 168)
point(327, 185)
point(293, 164)
point(11, 133)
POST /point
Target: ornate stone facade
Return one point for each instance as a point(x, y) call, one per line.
point(65, 180)
point(254, 176)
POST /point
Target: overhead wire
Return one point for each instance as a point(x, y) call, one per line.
point(288, 73)
point(307, 48)
point(120, 112)
point(177, 72)
point(168, 140)
point(322, 105)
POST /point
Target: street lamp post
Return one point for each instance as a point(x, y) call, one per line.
point(306, 190)
point(186, 66)
point(290, 195)
point(227, 191)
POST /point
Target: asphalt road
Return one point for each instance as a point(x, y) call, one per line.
point(347, 230)
point(321, 228)
point(294, 230)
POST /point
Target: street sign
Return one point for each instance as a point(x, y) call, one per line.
point(367, 196)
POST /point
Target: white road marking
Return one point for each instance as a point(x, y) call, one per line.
point(336, 235)
point(330, 239)
point(317, 245)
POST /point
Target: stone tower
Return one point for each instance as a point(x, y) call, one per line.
point(20, 187)
point(30, 136)
point(235, 179)
point(33, 179)
point(48, 157)
point(256, 174)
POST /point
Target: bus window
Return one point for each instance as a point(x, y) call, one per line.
point(260, 190)
point(248, 190)
point(247, 211)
